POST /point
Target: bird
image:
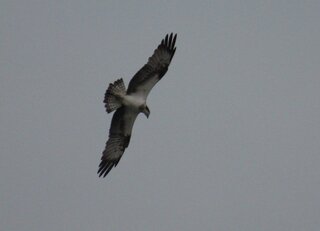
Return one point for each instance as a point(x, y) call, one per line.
point(128, 103)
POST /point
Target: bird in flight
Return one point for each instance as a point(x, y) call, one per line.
point(127, 104)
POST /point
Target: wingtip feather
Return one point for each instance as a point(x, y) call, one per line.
point(105, 167)
point(174, 41)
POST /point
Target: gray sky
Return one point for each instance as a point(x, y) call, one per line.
point(233, 139)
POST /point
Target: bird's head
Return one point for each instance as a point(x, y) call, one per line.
point(146, 111)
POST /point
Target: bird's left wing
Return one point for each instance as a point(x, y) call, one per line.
point(144, 80)
point(119, 138)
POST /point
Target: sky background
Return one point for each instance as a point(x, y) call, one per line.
point(233, 139)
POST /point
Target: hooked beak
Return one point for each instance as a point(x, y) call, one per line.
point(146, 111)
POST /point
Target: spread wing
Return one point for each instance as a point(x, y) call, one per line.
point(144, 80)
point(119, 138)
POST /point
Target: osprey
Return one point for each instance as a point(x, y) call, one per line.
point(129, 103)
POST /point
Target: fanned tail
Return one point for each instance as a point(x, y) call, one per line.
point(114, 94)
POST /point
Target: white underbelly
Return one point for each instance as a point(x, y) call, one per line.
point(133, 101)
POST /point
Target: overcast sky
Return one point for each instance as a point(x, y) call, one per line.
point(233, 139)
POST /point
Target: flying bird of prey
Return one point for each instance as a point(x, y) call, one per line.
point(129, 103)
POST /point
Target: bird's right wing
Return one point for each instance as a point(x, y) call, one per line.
point(145, 79)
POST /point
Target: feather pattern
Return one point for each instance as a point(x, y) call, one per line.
point(156, 67)
point(113, 95)
point(119, 138)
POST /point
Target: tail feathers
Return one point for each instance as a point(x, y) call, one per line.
point(114, 93)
